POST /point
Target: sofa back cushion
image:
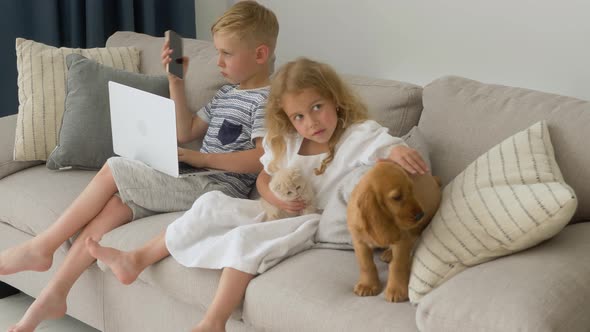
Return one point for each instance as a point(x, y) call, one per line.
point(396, 105)
point(203, 78)
point(463, 118)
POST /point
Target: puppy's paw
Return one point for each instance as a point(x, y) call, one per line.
point(386, 256)
point(396, 293)
point(362, 289)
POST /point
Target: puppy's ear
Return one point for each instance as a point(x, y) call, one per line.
point(370, 206)
point(438, 180)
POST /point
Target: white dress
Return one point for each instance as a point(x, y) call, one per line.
point(220, 231)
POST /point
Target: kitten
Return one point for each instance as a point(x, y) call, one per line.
point(288, 185)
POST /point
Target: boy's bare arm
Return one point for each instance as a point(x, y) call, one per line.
point(188, 127)
point(198, 128)
point(247, 161)
point(239, 162)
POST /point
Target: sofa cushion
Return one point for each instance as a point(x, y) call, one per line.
point(463, 118)
point(189, 285)
point(42, 87)
point(203, 78)
point(85, 138)
point(395, 105)
point(509, 199)
point(312, 291)
point(7, 163)
point(542, 289)
point(32, 199)
point(415, 139)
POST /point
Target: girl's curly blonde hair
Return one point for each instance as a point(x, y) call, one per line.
point(296, 76)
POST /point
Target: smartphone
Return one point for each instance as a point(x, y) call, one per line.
point(175, 44)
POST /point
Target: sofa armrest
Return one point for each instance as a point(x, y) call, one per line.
point(544, 288)
point(7, 163)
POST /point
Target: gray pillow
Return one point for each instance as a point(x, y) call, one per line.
point(85, 139)
point(416, 141)
point(332, 231)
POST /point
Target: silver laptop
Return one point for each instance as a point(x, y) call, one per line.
point(144, 129)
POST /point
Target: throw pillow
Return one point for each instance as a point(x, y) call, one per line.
point(509, 199)
point(332, 230)
point(85, 139)
point(42, 89)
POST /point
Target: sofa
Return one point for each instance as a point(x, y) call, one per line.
point(544, 288)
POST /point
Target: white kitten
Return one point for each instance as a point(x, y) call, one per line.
point(288, 185)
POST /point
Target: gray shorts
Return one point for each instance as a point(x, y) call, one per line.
point(148, 192)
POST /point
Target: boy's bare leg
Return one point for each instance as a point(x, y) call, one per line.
point(230, 292)
point(127, 266)
point(37, 254)
point(51, 303)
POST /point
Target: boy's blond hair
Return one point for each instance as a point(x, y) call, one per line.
point(296, 76)
point(250, 21)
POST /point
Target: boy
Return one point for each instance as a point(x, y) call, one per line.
point(245, 37)
point(232, 128)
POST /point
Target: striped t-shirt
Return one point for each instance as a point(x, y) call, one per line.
point(235, 118)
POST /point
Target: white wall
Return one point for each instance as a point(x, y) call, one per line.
point(206, 13)
point(542, 44)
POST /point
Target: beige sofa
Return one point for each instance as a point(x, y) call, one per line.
point(546, 288)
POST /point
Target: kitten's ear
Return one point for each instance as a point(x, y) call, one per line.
point(296, 172)
point(297, 176)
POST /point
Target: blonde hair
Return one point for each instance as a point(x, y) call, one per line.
point(250, 21)
point(296, 76)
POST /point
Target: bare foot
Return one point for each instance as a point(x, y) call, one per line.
point(207, 326)
point(123, 264)
point(24, 257)
point(46, 306)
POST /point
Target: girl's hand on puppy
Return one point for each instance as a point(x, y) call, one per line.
point(409, 159)
point(192, 157)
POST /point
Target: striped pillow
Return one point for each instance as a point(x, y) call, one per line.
point(41, 83)
point(509, 199)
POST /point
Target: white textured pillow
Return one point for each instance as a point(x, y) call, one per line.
point(509, 199)
point(42, 89)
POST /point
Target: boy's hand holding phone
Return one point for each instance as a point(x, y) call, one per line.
point(174, 62)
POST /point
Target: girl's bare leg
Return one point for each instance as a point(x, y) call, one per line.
point(37, 254)
point(127, 266)
point(230, 292)
point(51, 303)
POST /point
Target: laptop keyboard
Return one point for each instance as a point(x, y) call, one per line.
point(184, 168)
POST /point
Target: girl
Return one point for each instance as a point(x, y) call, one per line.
point(314, 123)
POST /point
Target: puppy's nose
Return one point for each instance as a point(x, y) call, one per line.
point(419, 216)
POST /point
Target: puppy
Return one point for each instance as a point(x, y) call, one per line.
point(288, 185)
point(389, 209)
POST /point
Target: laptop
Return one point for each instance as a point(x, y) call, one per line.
point(144, 129)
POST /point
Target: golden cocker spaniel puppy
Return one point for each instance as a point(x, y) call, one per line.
point(388, 208)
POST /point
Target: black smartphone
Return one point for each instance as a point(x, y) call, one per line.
point(175, 44)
